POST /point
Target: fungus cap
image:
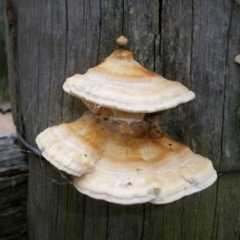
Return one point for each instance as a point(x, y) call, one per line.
point(157, 183)
point(146, 165)
point(121, 83)
point(237, 59)
point(63, 147)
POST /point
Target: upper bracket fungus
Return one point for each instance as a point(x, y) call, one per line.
point(114, 151)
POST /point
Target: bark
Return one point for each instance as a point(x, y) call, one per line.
point(13, 190)
point(193, 42)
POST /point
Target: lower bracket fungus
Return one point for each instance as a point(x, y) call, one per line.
point(114, 151)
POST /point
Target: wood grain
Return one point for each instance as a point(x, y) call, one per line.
point(193, 42)
point(13, 189)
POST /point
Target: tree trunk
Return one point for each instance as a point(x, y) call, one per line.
point(193, 42)
point(13, 190)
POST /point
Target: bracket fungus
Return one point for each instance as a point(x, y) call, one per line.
point(114, 151)
point(237, 59)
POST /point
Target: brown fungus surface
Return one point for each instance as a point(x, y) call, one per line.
point(146, 165)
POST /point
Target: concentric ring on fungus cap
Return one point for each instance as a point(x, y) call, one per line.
point(146, 165)
point(121, 83)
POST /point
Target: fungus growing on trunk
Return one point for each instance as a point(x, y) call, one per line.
point(115, 152)
point(237, 59)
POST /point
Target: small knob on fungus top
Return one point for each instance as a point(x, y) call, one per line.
point(121, 41)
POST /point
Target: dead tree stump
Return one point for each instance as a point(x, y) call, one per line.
point(193, 42)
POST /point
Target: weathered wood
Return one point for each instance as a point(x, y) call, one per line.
point(193, 42)
point(13, 190)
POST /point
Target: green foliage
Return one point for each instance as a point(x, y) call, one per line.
point(237, 109)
